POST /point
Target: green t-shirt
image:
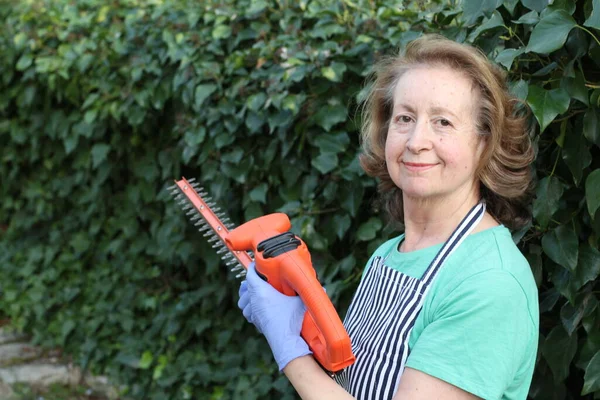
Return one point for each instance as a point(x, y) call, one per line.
point(478, 328)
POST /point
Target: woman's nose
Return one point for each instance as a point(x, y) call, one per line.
point(419, 138)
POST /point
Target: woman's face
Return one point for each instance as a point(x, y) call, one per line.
point(432, 149)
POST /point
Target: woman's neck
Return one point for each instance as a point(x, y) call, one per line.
point(431, 221)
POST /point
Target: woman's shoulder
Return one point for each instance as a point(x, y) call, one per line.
point(488, 259)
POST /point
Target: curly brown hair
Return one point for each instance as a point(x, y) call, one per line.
point(504, 170)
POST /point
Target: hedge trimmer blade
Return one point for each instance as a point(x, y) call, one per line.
point(213, 224)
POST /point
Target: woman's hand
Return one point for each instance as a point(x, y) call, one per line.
point(275, 315)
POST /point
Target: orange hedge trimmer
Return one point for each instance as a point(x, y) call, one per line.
point(282, 259)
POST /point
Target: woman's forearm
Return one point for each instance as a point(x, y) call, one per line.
point(311, 382)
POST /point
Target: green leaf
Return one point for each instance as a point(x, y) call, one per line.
point(341, 223)
point(195, 137)
point(549, 192)
point(594, 19)
point(576, 153)
point(591, 379)
point(329, 116)
point(146, 360)
point(368, 230)
point(551, 32)
point(473, 9)
point(221, 32)
point(547, 104)
point(99, 153)
point(351, 197)
point(24, 62)
point(530, 18)
point(67, 327)
point(325, 163)
point(202, 93)
point(256, 101)
point(562, 246)
point(536, 5)
point(507, 56)
point(588, 266)
point(576, 88)
point(334, 72)
point(571, 316)
point(494, 21)
point(592, 191)
point(591, 126)
point(332, 143)
point(259, 193)
point(559, 349)
point(519, 89)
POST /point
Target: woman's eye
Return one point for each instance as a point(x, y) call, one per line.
point(445, 122)
point(405, 119)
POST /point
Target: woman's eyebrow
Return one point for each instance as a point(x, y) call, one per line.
point(442, 110)
point(404, 106)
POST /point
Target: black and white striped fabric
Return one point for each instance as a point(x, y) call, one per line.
point(382, 315)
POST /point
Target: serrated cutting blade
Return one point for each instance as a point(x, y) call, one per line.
point(201, 210)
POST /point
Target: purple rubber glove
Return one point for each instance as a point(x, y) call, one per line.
point(275, 315)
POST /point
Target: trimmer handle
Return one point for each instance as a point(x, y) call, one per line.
point(283, 260)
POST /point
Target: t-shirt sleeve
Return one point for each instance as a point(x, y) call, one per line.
point(477, 335)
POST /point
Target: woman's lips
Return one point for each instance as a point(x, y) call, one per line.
point(418, 167)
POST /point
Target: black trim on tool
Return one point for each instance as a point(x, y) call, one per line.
point(279, 244)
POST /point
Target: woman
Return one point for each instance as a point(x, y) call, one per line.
point(449, 309)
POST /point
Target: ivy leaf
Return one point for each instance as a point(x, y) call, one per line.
point(588, 266)
point(519, 89)
point(332, 143)
point(551, 32)
point(368, 230)
point(591, 379)
point(571, 317)
point(334, 72)
point(351, 196)
point(202, 92)
point(549, 192)
point(592, 191)
point(325, 162)
point(146, 360)
point(591, 126)
point(507, 56)
point(99, 153)
point(473, 9)
point(559, 349)
point(494, 21)
point(328, 116)
point(594, 19)
point(536, 5)
point(221, 32)
point(256, 101)
point(259, 193)
point(24, 62)
point(547, 104)
point(561, 246)
point(576, 154)
point(532, 17)
point(576, 87)
point(341, 225)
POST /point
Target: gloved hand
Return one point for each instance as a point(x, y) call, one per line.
point(275, 315)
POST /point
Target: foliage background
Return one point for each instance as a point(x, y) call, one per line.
point(105, 103)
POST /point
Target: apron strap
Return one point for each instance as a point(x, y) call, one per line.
point(463, 229)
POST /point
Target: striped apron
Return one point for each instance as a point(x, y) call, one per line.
point(382, 314)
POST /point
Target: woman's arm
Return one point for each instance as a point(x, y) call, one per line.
point(417, 385)
point(311, 382)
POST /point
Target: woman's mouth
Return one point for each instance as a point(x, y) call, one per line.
point(418, 167)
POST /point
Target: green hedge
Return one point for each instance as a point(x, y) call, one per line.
point(104, 104)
